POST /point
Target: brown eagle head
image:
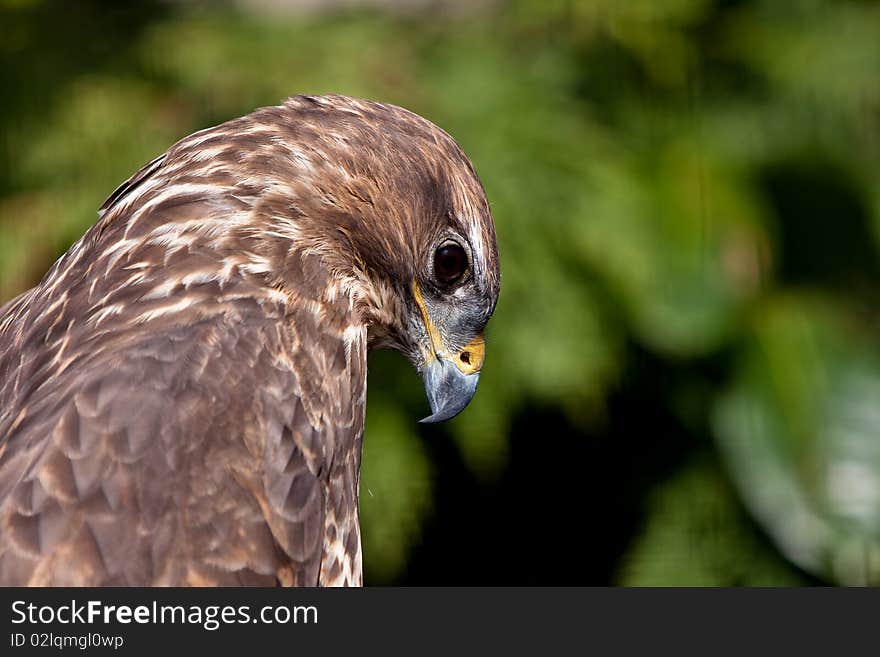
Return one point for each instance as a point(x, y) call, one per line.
point(403, 212)
point(367, 211)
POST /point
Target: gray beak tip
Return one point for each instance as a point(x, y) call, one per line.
point(448, 389)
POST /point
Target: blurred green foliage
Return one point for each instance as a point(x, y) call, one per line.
point(697, 180)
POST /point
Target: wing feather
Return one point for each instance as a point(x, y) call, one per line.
point(189, 458)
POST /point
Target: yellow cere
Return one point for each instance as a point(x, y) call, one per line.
point(469, 360)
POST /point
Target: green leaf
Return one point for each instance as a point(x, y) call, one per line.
point(799, 431)
point(696, 535)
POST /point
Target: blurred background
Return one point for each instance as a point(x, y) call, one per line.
point(683, 373)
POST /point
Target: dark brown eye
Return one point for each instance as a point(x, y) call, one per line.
point(450, 263)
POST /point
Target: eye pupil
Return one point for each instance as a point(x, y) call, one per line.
point(450, 263)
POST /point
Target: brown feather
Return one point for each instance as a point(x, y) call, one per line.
point(182, 396)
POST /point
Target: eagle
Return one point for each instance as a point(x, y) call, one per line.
point(182, 396)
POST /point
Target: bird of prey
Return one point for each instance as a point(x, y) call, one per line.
point(182, 396)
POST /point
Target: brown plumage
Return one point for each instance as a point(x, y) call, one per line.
point(182, 396)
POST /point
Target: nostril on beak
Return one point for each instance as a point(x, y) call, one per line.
point(465, 357)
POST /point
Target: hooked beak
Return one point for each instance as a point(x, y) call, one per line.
point(450, 379)
point(448, 389)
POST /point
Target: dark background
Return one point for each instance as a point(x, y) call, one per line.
point(682, 374)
